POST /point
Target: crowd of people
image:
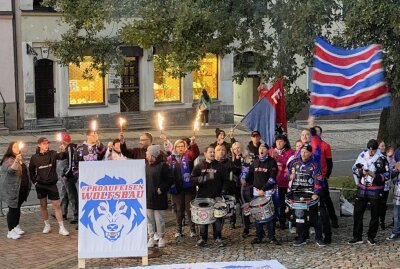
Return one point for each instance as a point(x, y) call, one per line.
point(289, 186)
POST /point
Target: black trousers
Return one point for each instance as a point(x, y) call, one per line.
point(69, 194)
point(205, 114)
point(182, 204)
point(282, 205)
point(360, 206)
point(326, 199)
point(302, 228)
point(217, 229)
point(383, 206)
point(14, 214)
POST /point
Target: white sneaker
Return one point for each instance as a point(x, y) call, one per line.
point(192, 234)
point(63, 231)
point(18, 230)
point(151, 243)
point(178, 235)
point(161, 243)
point(312, 230)
point(156, 237)
point(46, 229)
point(13, 235)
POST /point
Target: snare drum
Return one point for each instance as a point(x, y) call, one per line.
point(202, 210)
point(231, 202)
point(220, 210)
point(300, 200)
point(262, 209)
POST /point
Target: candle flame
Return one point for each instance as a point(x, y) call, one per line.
point(20, 146)
point(94, 125)
point(59, 137)
point(160, 121)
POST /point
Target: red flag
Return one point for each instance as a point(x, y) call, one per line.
point(276, 96)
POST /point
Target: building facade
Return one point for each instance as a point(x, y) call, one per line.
point(49, 90)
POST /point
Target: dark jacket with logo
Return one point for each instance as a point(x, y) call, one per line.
point(158, 175)
point(308, 175)
point(212, 179)
point(262, 174)
point(42, 167)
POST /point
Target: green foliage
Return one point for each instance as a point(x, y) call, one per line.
point(347, 184)
point(296, 99)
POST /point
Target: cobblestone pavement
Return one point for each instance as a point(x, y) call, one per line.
point(36, 250)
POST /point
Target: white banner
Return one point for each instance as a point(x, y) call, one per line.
point(270, 264)
point(112, 209)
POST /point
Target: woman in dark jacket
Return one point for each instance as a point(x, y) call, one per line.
point(16, 187)
point(158, 181)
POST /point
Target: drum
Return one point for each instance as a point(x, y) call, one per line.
point(262, 209)
point(300, 200)
point(202, 210)
point(220, 209)
point(231, 202)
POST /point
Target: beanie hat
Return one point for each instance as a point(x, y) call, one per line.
point(154, 150)
point(307, 147)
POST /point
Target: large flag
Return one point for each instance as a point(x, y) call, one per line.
point(263, 117)
point(347, 80)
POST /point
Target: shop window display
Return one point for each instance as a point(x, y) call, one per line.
point(166, 88)
point(84, 91)
point(206, 77)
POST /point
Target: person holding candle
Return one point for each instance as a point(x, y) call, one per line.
point(145, 140)
point(114, 151)
point(43, 174)
point(15, 187)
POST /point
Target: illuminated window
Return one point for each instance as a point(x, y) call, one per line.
point(166, 88)
point(85, 91)
point(206, 77)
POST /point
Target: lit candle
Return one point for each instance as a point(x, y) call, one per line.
point(160, 121)
point(121, 123)
point(94, 125)
point(59, 137)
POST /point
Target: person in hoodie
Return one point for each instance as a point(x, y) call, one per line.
point(42, 170)
point(69, 192)
point(114, 151)
point(369, 175)
point(305, 174)
point(254, 144)
point(262, 175)
point(233, 169)
point(158, 181)
point(183, 191)
point(281, 152)
point(212, 181)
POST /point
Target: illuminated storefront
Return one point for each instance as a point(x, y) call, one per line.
point(206, 77)
point(85, 89)
point(166, 88)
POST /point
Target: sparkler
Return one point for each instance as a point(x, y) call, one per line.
point(121, 123)
point(94, 125)
point(160, 122)
point(196, 125)
point(20, 146)
point(59, 137)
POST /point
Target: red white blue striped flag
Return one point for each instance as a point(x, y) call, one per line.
point(347, 80)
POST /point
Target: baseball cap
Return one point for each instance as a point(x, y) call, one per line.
point(65, 137)
point(254, 133)
point(43, 140)
point(307, 147)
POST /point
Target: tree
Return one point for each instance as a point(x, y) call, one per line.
point(280, 33)
point(370, 22)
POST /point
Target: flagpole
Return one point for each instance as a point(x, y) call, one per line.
point(246, 115)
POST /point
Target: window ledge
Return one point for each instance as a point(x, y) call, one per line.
point(87, 106)
point(169, 104)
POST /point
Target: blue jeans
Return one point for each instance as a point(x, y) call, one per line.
point(396, 216)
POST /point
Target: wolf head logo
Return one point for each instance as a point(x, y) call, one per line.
point(114, 217)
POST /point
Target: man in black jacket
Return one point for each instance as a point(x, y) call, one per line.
point(212, 179)
point(145, 140)
point(262, 175)
point(254, 144)
point(42, 170)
